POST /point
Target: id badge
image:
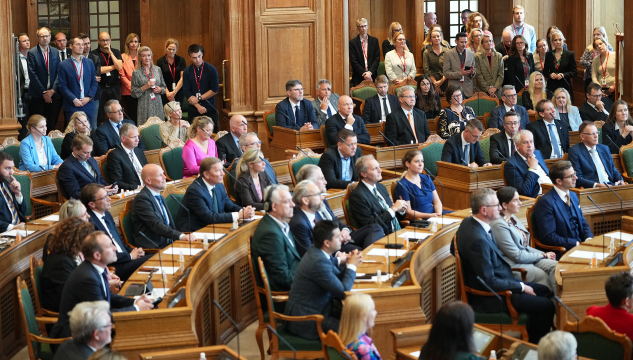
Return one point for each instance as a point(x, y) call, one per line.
point(173, 86)
point(604, 82)
point(108, 74)
point(461, 79)
point(527, 82)
point(152, 96)
point(198, 95)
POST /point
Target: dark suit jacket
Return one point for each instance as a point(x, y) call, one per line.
point(85, 284)
point(279, 256)
point(372, 111)
point(73, 176)
point(453, 152)
point(285, 114)
point(501, 49)
point(121, 169)
point(38, 75)
point(587, 112)
point(567, 67)
point(499, 141)
point(332, 167)
point(227, 148)
point(541, 136)
point(5, 213)
point(496, 117)
point(317, 283)
point(613, 139)
point(398, 129)
point(272, 175)
point(367, 209)
point(246, 192)
point(585, 168)
point(519, 176)
point(553, 224)
point(109, 139)
point(70, 89)
point(336, 123)
point(57, 269)
point(121, 256)
point(357, 58)
point(71, 350)
point(513, 69)
point(148, 218)
point(198, 200)
point(67, 144)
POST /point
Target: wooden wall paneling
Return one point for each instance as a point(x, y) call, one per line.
point(418, 21)
point(627, 29)
point(8, 122)
point(19, 10)
point(499, 15)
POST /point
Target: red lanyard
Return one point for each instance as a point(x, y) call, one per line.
point(364, 51)
point(151, 71)
point(525, 69)
point(604, 66)
point(107, 61)
point(541, 61)
point(504, 46)
point(81, 69)
point(173, 74)
point(403, 59)
point(515, 29)
point(46, 59)
point(198, 80)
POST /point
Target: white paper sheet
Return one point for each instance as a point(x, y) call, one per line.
point(210, 236)
point(51, 218)
point(373, 279)
point(363, 289)
point(415, 354)
point(414, 235)
point(616, 235)
point(588, 254)
point(183, 251)
point(446, 221)
point(13, 233)
point(383, 252)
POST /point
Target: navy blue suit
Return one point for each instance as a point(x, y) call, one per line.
point(453, 152)
point(69, 87)
point(38, 76)
point(285, 114)
point(73, 176)
point(5, 213)
point(109, 139)
point(198, 200)
point(541, 136)
point(496, 117)
point(585, 168)
point(519, 176)
point(554, 221)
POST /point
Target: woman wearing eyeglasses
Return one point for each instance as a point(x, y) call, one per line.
point(388, 44)
point(453, 119)
point(252, 179)
point(199, 146)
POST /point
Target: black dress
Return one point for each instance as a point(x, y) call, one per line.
point(431, 114)
point(526, 99)
point(566, 66)
point(612, 138)
point(169, 71)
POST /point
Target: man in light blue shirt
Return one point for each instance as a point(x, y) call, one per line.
point(519, 27)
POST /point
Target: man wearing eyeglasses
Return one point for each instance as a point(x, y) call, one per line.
point(509, 98)
point(592, 161)
point(364, 54)
point(110, 65)
point(406, 124)
point(463, 148)
point(501, 144)
point(295, 112)
point(108, 133)
point(596, 107)
point(558, 214)
point(251, 141)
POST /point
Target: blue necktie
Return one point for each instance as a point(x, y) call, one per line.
point(555, 145)
point(162, 208)
point(329, 112)
point(297, 114)
point(467, 154)
point(104, 276)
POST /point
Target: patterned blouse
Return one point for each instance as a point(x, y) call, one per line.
point(364, 348)
point(451, 122)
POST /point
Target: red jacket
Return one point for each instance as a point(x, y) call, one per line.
point(618, 319)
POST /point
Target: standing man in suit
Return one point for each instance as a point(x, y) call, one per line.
point(24, 44)
point(370, 200)
point(228, 145)
point(111, 64)
point(364, 54)
point(201, 86)
point(406, 124)
point(108, 133)
point(551, 137)
point(97, 202)
point(345, 119)
point(593, 162)
point(325, 102)
point(42, 64)
point(77, 82)
point(150, 214)
point(464, 16)
point(380, 105)
point(125, 163)
point(509, 98)
point(502, 142)
point(337, 163)
point(459, 63)
point(463, 148)
point(12, 204)
point(430, 19)
point(209, 201)
point(480, 258)
point(526, 169)
point(519, 27)
point(321, 282)
point(89, 282)
point(558, 215)
point(295, 112)
point(97, 63)
point(81, 169)
point(506, 42)
point(251, 141)
point(596, 107)
point(91, 328)
point(60, 45)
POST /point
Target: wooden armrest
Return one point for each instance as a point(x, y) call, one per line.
point(523, 273)
point(46, 320)
point(405, 223)
point(280, 296)
point(44, 202)
point(559, 249)
point(48, 313)
point(316, 317)
point(505, 293)
point(49, 340)
point(150, 251)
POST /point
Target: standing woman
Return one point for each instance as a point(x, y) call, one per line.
point(474, 40)
point(357, 318)
point(427, 100)
point(37, 152)
point(488, 67)
point(586, 60)
point(560, 65)
point(147, 86)
point(172, 67)
point(453, 119)
point(433, 60)
point(78, 124)
point(199, 146)
point(252, 179)
point(618, 127)
point(565, 111)
point(603, 68)
point(519, 64)
point(425, 202)
point(539, 54)
point(477, 21)
point(399, 63)
point(451, 336)
point(549, 38)
point(535, 92)
point(388, 44)
point(130, 58)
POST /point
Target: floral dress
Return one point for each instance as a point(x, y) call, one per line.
point(364, 348)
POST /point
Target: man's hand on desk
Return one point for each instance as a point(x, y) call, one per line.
point(306, 126)
point(342, 257)
point(144, 303)
point(528, 289)
point(137, 253)
point(621, 182)
point(247, 212)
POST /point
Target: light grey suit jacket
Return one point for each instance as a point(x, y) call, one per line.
point(320, 115)
point(483, 73)
point(509, 241)
point(452, 67)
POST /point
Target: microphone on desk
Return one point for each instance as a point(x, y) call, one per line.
point(500, 308)
point(571, 312)
point(514, 174)
point(473, 170)
point(270, 328)
point(394, 154)
point(442, 185)
point(237, 328)
point(160, 259)
point(389, 245)
point(188, 219)
point(236, 180)
point(603, 221)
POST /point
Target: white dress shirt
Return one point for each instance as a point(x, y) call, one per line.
point(284, 228)
point(383, 116)
point(135, 162)
point(597, 161)
point(101, 218)
point(549, 136)
point(25, 73)
point(538, 170)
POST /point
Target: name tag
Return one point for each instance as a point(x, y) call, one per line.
point(152, 96)
point(604, 82)
point(173, 86)
point(461, 79)
point(527, 82)
point(198, 96)
point(108, 74)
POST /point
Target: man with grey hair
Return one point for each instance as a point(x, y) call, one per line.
point(91, 328)
point(509, 97)
point(503, 47)
point(526, 169)
point(125, 163)
point(430, 19)
point(108, 132)
point(345, 119)
point(481, 259)
point(406, 124)
point(251, 141)
point(228, 145)
point(325, 102)
point(364, 54)
point(464, 149)
point(295, 112)
point(380, 105)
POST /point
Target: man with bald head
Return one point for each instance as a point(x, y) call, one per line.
point(150, 214)
point(430, 19)
point(228, 145)
point(344, 119)
point(504, 46)
point(61, 44)
point(110, 65)
point(406, 124)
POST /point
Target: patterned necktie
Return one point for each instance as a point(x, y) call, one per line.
point(514, 147)
point(383, 204)
point(162, 208)
point(118, 126)
point(467, 153)
point(137, 166)
point(104, 276)
point(555, 145)
point(9, 199)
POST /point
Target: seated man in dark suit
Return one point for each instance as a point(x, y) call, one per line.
point(97, 203)
point(509, 98)
point(345, 119)
point(463, 148)
point(126, 162)
point(89, 282)
point(208, 201)
point(251, 141)
point(501, 144)
point(526, 169)
point(337, 162)
point(325, 103)
point(273, 241)
point(406, 124)
point(619, 289)
point(12, 204)
point(108, 131)
point(228, 148)
point(320, 284)
point(592, 162)
point(596, 107)
point(80, 169)
point(370, 200)
point(558, 214)
point(551, 137)
point(480, 258)
point(295, 112)
point(380, 105)
point(150, 214)
point(91, 328)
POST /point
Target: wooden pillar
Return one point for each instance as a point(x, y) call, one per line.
point(8, 122)
point(627, 29)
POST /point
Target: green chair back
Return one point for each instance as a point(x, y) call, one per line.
point(106, 171)
point(352, 220)
point(184, 107)
point(381, 69)
point(149, 137)
point(270, 122)
point(14, 151)
point(334, 354)
point(432, 153)
point(365, 92)
point(297, 165)
point(627, 156)
point(25, 184)
point(172, 205)
point(37, 276)
point(481, 106)
point(41, 350)
point(600, 135)
point(173, 163)
point(126, 224)
point(57, 144)
point(595, 346)
point(485, 147)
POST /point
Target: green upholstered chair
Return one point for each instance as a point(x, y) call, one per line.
point(349, 219)
point(599, 124)
point(481, 103)
point(364, 90)
point(57, 138)
point(171, 162)
point(12, 147)
point(26, 183)
point(125, 223)
point(484, 122)
point(626, 158)
point(484, 142)
point(36, 267)
point(381, 69)
point(597, 341)
point(269, 118)
point(432, 152)
point(173, 205)
point(305, 349)
point(151, 136)
point(184, 107)
point(333, 347)
point(407, 82)
point(534, 234)
point(294, 165)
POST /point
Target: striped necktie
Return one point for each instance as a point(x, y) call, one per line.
point(11, 204)
point(394, 221)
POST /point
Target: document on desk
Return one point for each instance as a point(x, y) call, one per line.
point(414, 235)
point(445, 221)
point(588, 254)
point(14, 233)
point(156, 293)
point(383, 252)
point(183, 251)
point(51, 218)
point(616, 235)
point(415, 354)
point(210, 236)
point(383, 278)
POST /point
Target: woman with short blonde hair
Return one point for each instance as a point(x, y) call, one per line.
point(78, 124)
point(388, 44)
point(147, 86)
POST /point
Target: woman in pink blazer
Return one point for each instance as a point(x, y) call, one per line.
point(132, 44)
point(199, 146)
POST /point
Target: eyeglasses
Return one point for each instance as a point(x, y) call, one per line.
point(103, 198)
point(570, 176)
point(259, 142)
point(591, 134)
point(362, 26)
point(397, 30)
point(512, 96)
point(116, 111)
point(513, 123)
point(596, 96)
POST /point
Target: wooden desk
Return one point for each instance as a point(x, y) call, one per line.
point(211, 353)
point(460, 181)
point(376, 138)
point(289, 139)
point(282, 172)
point(384, 155)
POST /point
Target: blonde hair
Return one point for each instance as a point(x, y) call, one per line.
point(361, 21)
point(250, 156)
point(470, 36)
point(514, 9)
point(33, 121)
point(395, 36)
point(71, 208)
point(530, 88)
point(434, 28)
point(354, 317)
point(391, 27)
point(129, 38)
point(604, 41)
point(481, 43)
point(558, 33)
point(141, 50)
point(201, 121)
point(558, 91)
point(169, 108)
point(71, 124)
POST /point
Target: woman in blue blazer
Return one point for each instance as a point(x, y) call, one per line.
point(37, 152)
point(565, 111)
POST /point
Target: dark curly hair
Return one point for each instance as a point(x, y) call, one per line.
point(68, 235)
